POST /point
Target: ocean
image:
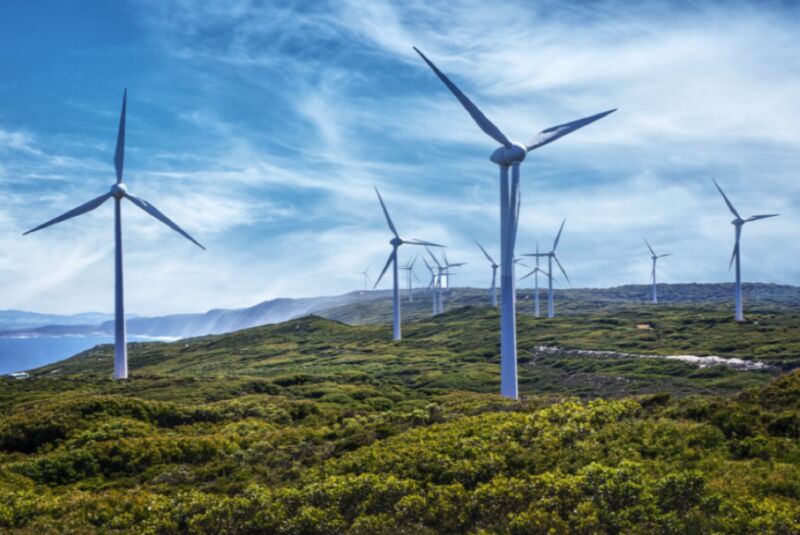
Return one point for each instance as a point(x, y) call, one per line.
point(19, 354)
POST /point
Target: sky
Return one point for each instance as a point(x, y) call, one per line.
point(262, 128)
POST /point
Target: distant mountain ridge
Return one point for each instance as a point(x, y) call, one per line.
point(21, 319)
point(214, 321)
point(375, 306)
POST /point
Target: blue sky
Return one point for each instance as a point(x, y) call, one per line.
point(261, 128)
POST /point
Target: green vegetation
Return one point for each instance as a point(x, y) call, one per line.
point(317, 427)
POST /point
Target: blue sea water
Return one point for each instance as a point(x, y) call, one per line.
point(18, 354)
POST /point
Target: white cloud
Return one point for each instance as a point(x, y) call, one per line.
point(297, 110)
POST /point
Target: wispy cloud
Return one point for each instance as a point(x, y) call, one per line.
point(266, 124)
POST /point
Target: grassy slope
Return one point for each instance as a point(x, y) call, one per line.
point(314, 426)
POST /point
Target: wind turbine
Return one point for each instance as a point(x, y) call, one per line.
point(511, 155)
point(432, 286)
point(447, 266)
point(495, 265)
point(396, 242)
point(738, 223)
point(535, 273)
point(118, 192)
point(655, 258)
point(438, 294)
point(551, 255)
point(365, 274)
point(409, 268)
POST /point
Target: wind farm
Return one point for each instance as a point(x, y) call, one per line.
point(298, 376)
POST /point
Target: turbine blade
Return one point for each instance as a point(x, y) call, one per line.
point(119, 154)
point(528, 275)
point(648, 246)
point(415, 277)
point(422, 242)
point(434, 258)
point(733, 255)
point(386, 213)
point(735, 245)
point(558, 236)
point(727, 201)
point(562, 269)
point(548, 135)
point(388, 263)
point(477, 115)
point(489, 258)
point(153, 211)
point(82, 209)
point(757, 217)
point(663, 255)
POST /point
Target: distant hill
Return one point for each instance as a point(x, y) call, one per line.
point(215, 321)
point(21, 319)
point(375, 307)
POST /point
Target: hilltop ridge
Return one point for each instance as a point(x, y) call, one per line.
point(361, 307)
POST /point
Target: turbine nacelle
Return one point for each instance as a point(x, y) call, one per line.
point(509, 154)
point(118, 191)
point(396, 242)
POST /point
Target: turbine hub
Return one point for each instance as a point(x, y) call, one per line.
point(396, 242)
point(737, 222)
point(118, 191)
point(509, 155)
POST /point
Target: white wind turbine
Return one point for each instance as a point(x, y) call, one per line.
point(432, 286)
point(438, 294)
point(447, 266)
point(495, 265)
point(738, 223)
point(535, 273)
point(510, 154)
point(551, 255)
point(365, 274)
point(118, 192)
point(396, 242)
point(409, 269)
point(443, 277)
point(655, 258)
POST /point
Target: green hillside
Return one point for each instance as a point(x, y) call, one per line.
point(318, 427)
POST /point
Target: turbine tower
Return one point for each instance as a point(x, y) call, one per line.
point(551, 255)
point(511, 155)
point(535, 273)
point(118, 192)
point(493, 288)
point(738, 223)
point(655, 258)
point(396, 242)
